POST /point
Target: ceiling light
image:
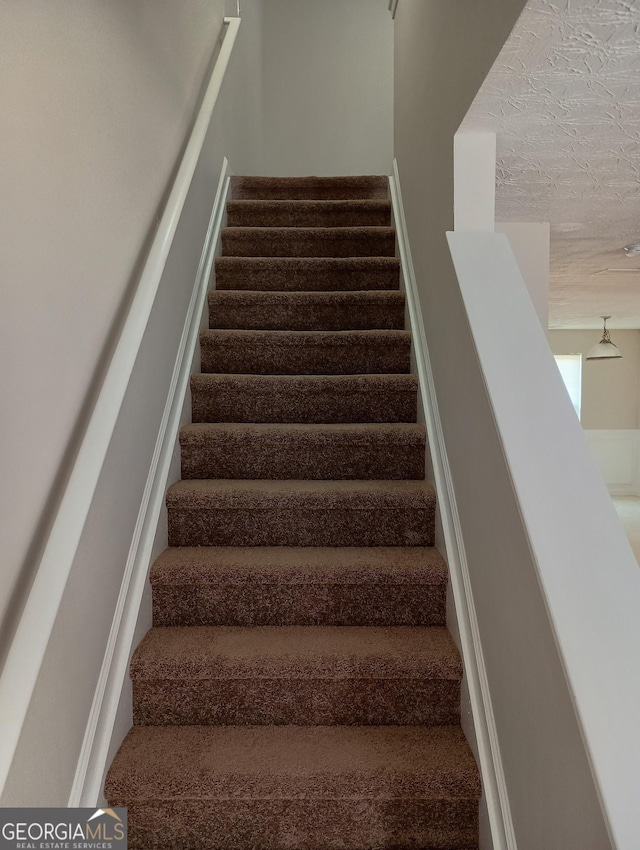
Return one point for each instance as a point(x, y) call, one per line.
point(605, 349)
point(632, 250)
point(615, 271)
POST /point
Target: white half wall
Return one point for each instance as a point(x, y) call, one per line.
point(328, 87)
point(443, 52)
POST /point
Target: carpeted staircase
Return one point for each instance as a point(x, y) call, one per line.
point(299, 689)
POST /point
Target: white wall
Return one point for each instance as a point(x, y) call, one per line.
point(328, 87)
point(135, 71)
point(610, 388)
point(443, 51)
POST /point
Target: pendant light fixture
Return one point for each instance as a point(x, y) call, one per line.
point(605, 349)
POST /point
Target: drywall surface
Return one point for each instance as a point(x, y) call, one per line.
point(442, 53)
point(328, 87)
point(530, 243)
point(610, 388)
point(95, 99)
point(474, 181)
point(133, 72)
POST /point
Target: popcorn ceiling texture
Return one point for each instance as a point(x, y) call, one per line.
point(299, 689)
point(564, 99)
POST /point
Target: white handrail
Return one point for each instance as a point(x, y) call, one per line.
point(29, 645)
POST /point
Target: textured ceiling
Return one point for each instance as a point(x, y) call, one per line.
point(564, 100)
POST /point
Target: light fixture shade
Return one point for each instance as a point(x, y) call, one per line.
point(605, 349)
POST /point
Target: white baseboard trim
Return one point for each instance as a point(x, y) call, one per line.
point(493, 779)
point(86, 789)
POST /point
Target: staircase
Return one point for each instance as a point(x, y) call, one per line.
point(299, 689)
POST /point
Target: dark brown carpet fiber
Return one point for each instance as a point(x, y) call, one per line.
point(299, 689)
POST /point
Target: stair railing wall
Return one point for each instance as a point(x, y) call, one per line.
point(545, 589)
point(581, 560)
point(102, 538)
point(477, 715)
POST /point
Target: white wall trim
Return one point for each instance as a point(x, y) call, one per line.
point(32, 635)
point(86, 789)
point(494, 783)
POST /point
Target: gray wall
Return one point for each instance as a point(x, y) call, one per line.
point(123, 80)
point(328, 87)
point(96, 100)
point(442, 54)
point(610, 389)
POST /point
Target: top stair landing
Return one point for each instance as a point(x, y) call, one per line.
point(309, 188)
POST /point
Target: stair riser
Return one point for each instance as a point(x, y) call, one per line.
point(301, 526)
point(291, 242)
point(310, 188)
point(303, 702)
point(294, 824)
point(226, 403)
point(224, 353)
point(303, 315)
point(252, 604)
point(299, 275)
point(306, 214)
point(298, 458)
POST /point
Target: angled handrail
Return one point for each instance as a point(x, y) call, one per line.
point(25, 657)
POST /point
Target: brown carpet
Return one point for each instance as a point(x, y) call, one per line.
point(299, 689)
point(306, 311)
point(308, 242)
point(304, 274)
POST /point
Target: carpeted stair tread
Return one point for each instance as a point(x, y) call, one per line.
point(303, 451)
point(296, 788)
point(289, 762)
point(359, 495)
point(300, 566)
point(301, 513)
point(306, 652)
point(298, 689)
point(308, 242)
point(300, 675)
point(304, 398)
point(305, 352)
point(299, 586)
point(328, 274)
point(306, 311)
point(309, 213)
point(310, 188)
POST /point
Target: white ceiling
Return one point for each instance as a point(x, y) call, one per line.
point(564, 99)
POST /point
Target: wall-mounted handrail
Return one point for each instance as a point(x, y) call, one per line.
point(33, 633)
